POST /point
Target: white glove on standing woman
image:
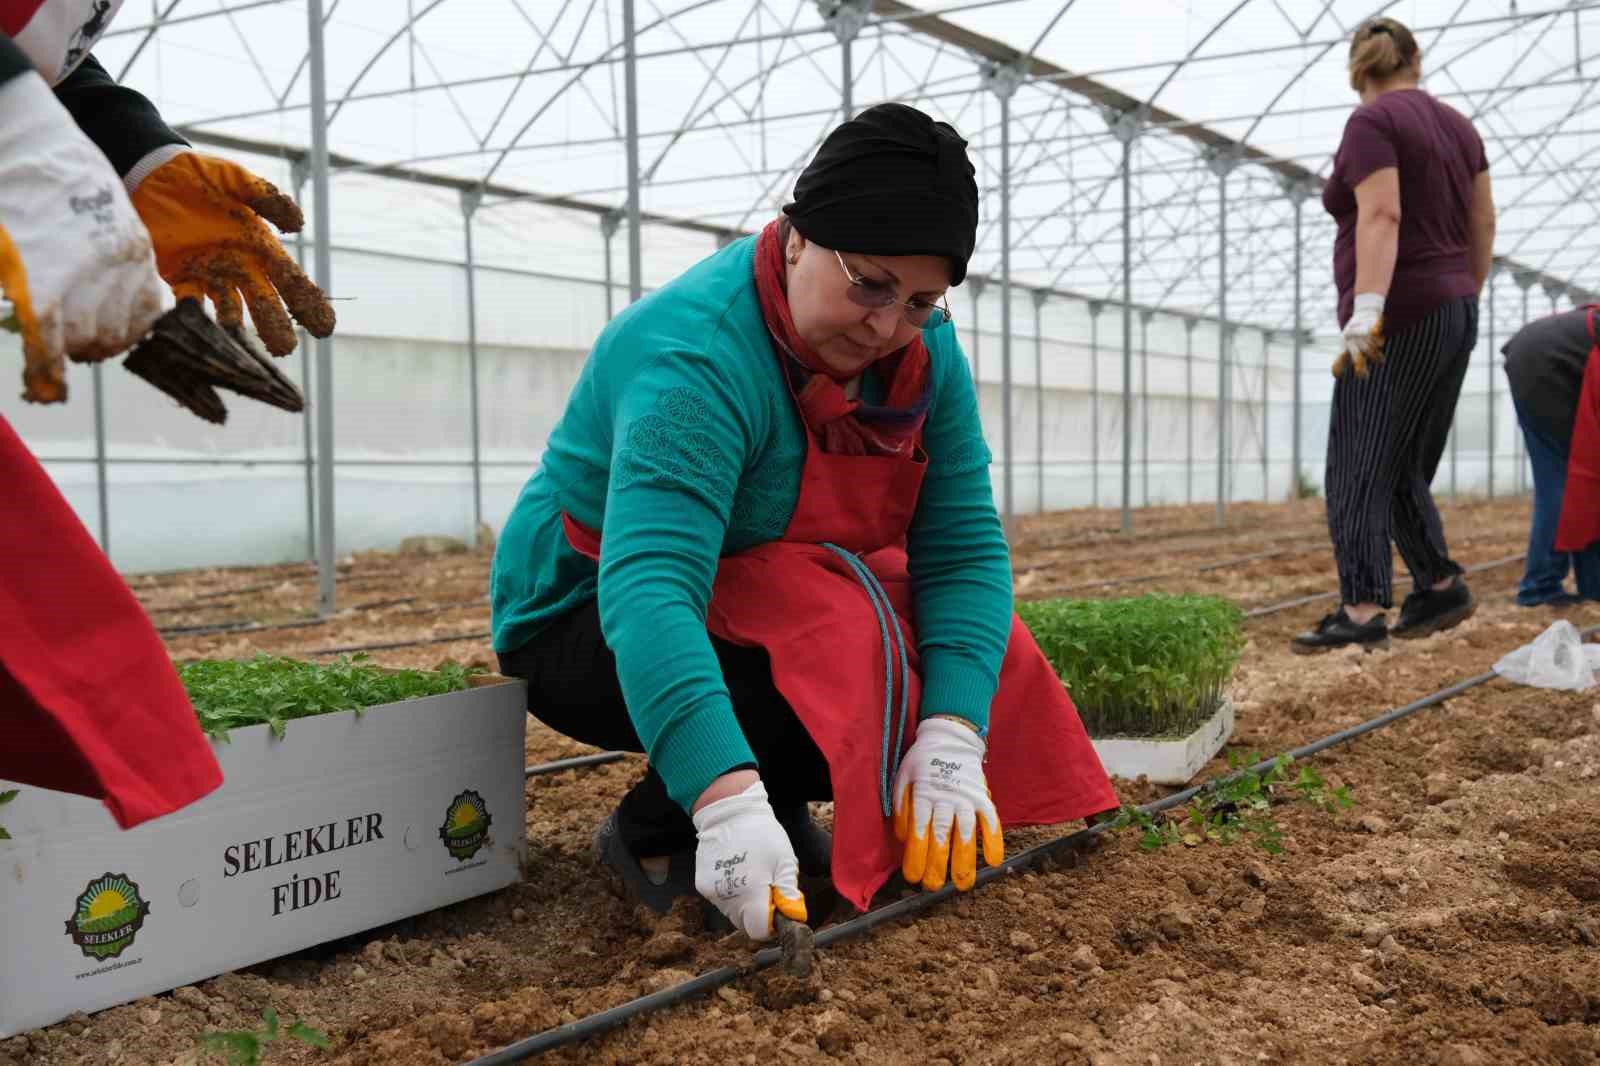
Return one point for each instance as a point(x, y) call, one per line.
point(76, 262)
point(744, 863)
point(1363, 336)
point(940, 788)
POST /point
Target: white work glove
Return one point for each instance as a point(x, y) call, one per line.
point(744, 863)
point(1363, 336)
point(941, 786)
point(76, 263)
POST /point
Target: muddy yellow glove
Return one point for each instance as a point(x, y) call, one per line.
point(205, 220)
point(941, 805)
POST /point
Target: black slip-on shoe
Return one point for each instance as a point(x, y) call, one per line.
point(1558, 599)
point(1338, 631)
point(631, 881)
point(1428, 611)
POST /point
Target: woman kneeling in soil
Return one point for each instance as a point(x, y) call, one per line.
point(762, 548)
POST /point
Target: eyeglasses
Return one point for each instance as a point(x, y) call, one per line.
point(864, 292)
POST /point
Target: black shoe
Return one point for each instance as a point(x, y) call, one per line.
point(1428, 611)
point(1559, 599)
point(813, 845)
point(1338, 631)
point(631, 881)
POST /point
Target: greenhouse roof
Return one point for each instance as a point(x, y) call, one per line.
point(526, 102)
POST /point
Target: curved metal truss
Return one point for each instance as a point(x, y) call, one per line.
point(1163, 157)
point(524, 99)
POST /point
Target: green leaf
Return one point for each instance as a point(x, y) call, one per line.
point(270, 1016)
point(242, 1049)
point(3, 834)
point(9, 795)
point(303, 1032)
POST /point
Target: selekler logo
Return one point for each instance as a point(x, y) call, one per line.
point(107, 916)
point(466, 825)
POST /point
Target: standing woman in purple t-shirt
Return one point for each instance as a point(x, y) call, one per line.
point(1410, 194)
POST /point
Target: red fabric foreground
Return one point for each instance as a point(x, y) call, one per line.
point(90, 702)
point(1580, 504)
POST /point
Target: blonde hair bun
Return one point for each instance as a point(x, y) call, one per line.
point(1379, 49)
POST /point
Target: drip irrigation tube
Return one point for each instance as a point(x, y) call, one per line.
point(1256, 613)
point(1145, 579)
point(1319, 597)
point(574, 763)
point(207, 629)
point(391, 645)
point(604, 1021)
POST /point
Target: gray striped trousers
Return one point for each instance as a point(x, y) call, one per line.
point(1385, 439)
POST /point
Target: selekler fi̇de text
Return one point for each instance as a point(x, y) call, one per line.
point(300, 891)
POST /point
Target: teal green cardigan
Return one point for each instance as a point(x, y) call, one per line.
point(680, 442)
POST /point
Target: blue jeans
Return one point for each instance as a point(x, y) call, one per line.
point(1547, 568)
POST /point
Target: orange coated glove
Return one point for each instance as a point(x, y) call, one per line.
point(941, 805)
point(204, 216)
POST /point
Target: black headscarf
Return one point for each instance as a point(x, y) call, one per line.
point(891, 181)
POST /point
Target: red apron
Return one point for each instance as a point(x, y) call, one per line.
point(90, 702)
point(804, 604)
point(1580, 503)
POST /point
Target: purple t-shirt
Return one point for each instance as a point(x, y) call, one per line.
point(1438, 154)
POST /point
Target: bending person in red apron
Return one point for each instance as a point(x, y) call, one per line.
point(1579, 529)
point(762, 548)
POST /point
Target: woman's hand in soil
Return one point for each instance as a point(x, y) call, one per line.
point(744, 863)
point(205, 219)
point(941, 803)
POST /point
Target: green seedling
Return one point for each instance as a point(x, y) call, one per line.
point(271, 691)
point(1235, 806)
point(1147, 666)
point(5, 798)
point(245, 1047)
point(1305, 488)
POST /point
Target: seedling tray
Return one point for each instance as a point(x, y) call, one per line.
point(345, 822)
point(1171, 760)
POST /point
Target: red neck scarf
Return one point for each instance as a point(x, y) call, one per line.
point(842, 425)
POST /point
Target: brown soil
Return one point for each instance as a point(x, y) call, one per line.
point(1452, 917)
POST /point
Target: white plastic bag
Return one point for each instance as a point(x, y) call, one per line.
point(1557, 659)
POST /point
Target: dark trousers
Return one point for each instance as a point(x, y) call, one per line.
point(1385, 440)
point(573, 689)
point(1546, 568)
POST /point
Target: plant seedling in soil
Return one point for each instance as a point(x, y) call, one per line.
point(271, 690)
point(244, 1047)
point(5, 798)
point(1239, 804)
point(1146, 666)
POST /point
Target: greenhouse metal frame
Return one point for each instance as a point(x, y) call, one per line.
point(1093, 195)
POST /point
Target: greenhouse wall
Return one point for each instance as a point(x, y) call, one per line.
point(181, 492)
